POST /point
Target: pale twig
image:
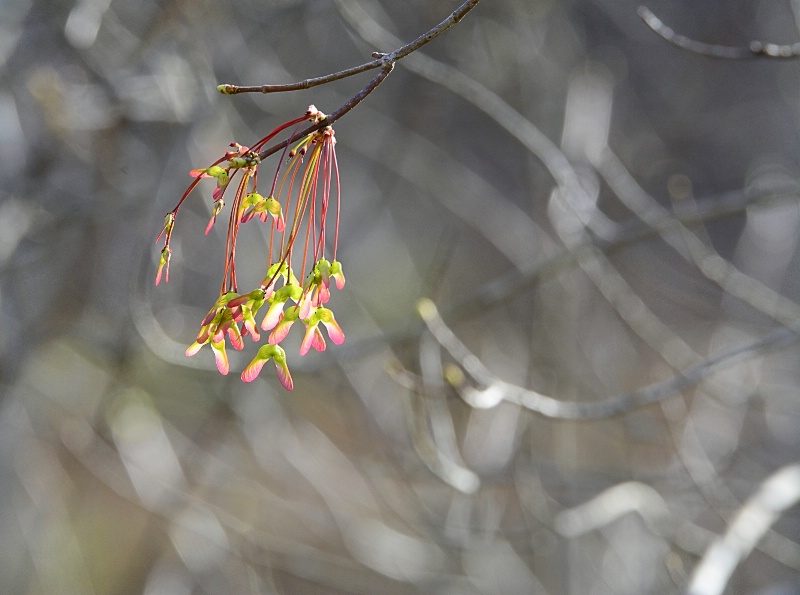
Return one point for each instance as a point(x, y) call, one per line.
point(715, 268)
point(445, 468)
point(613, 503)
point(755, 49)
point(504, 287)
point(777, 494)
point(431, 409)
point(491, 391)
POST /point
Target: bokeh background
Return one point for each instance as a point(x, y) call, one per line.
point(592, 210)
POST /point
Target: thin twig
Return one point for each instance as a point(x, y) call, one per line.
point(755, 49)
point(381, 60)
point(228, 89)
point(331, 118)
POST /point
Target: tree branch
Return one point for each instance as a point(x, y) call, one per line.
point(330, 119)
point(384, 61)
point(381, 60)
point(489, 391)
point(756, 49)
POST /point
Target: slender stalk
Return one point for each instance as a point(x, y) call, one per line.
point(331, 118)
point(379, 61)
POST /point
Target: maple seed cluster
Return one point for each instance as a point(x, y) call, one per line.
point(306, 182)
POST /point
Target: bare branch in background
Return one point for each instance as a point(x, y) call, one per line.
point(487, 391)
point(755, 49)
point(778, 493)
point(613, 503)
point(689, 245)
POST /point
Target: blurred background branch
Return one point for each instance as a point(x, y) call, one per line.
point(755, 49)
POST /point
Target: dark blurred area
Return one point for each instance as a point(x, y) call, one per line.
point(592, 210)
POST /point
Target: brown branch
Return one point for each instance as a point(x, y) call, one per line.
point(755, 49)
point(228, 89)
point(385, 61)
point(381, 60)
point(330, 119)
